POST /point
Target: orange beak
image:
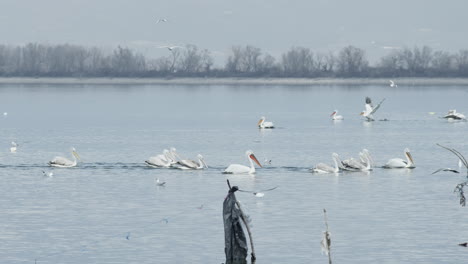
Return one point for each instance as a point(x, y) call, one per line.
point(333, 113)
point(361, 113)
point(252, 156)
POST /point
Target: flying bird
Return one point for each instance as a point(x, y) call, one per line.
point(446, 169)
point(161, 20)
point(260, 193)
point(170, 48)
point(370, 109)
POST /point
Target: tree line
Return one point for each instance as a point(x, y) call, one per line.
point(65, 60)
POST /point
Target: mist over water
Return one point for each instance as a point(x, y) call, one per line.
point(108, 209)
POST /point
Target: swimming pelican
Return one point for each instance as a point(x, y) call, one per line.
point(237, 168)
point(363, 164)
point(324, 168)
point(392, 84)
point(401, 163)
point(13, 147)
point(160, 161)
point(335, 116)
point(262, 124)
point(190, 164)
point(367, 113)
point(452, 114)
point(62, 162)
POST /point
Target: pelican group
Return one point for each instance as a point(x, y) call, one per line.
point(192, 165)
point(62, 162)
point(239, 169)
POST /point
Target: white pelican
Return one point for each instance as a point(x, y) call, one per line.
point(367, 113)
point(62, 162)
point(335, 116)
point(190, 164)
point(13, 147)
point(237, 168)
point(452, 114)
point(363, 164)
point(161, 161)
point(392, 84)
point(324, 168)
point(263, 124)
point(401, 163)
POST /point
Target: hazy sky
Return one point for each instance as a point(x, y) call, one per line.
point(272, 25)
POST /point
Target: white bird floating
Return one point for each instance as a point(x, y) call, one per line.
point(397, 163)
point(335, 116)
point(13, 147)
point(158, 183)
point(370, 109)
point(62, 162)
point(363, 164)
point(393, 84)
point(452, 114)
point(47, 174)
point(265, 124)
point(192, 165)
point(241, 169)
point(324, 168)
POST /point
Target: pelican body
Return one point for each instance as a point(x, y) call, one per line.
point(62, 162)
point(401, 163)
point(160, 161)
point(363, 164)
point(324, 168)
point(335, 116)
point(452, 114)
point(265, 124)
point(241, 169)
point(370, 109)
point(192, 165)
point(13, 147)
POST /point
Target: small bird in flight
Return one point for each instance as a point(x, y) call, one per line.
point(161, 20)
point(446, 169)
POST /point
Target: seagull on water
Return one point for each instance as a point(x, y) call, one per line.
point(13, 147)
point(158, 183)
point(392, 84)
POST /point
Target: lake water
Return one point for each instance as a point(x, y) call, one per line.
point(109, 210)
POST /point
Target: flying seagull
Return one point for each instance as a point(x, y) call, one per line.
point(446, 169)
point(161, 20)
point(259, 193)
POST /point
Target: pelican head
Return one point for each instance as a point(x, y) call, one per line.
point(202, 160)
point(75, 154)
point(251, 156)
point(362, 113)
point(408, 156)
point(334, 113)
point(262, 119)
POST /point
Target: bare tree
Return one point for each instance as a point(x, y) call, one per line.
point(352, 62)
point(298, 62)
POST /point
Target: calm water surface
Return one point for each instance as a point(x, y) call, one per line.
point(109, 210)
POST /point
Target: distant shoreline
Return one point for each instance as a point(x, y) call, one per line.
point(240, 81)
